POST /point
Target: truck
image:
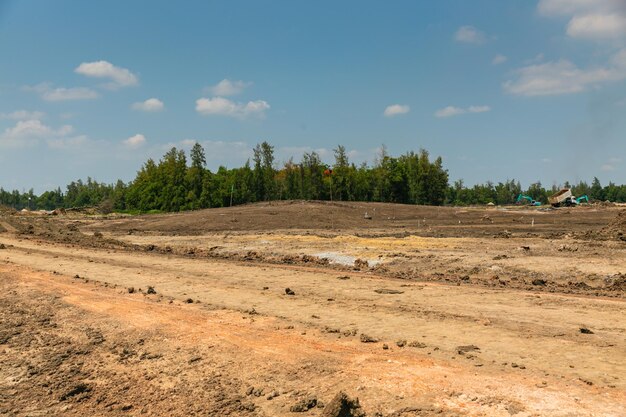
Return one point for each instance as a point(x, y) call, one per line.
point(565, 198)
point(561, 198)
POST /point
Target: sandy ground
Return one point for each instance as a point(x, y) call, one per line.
point(449, 325)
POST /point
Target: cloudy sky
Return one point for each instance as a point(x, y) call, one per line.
point(531, 90)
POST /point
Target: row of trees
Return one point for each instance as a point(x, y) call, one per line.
point(507, 192)
point(172, 185)
point(77, 194)
point(177, 183)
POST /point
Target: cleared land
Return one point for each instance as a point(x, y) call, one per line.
point(417, 311)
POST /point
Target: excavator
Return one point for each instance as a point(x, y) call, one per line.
point(531, 201)
point(581, 199)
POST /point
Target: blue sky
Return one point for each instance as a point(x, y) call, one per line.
point(531, 90)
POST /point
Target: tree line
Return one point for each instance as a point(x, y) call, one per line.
point(507, 192)
point(180, 182)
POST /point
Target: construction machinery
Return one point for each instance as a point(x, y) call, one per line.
point(565, 198)
point(582, 198)
point(562, 198)
point(522, 198)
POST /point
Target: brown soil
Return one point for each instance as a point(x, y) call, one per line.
point(465, 312)
point(394, 219)
point(617, 227)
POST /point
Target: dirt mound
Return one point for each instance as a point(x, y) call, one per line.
point(343, 406)
point(83, 210)
point(47, 228)
point(304, 405)
point(616, 282)
point(7, 210)
point(396, 220)
point(617, 227)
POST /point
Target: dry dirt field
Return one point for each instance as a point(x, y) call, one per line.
point(274, 309)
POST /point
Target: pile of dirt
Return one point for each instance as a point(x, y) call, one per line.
point(616, 283)
point(616, 229)
point(391, 219)
point(91, 210)
point(46, 228)
point(343, 406)
point(7, 210)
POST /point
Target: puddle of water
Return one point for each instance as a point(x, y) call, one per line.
point(342, 259)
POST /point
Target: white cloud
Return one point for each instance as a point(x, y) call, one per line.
point(607, 167)
point(455, 111)
point(67, 143)
point(597, 26)
point(571, 7)
point(120, 77)
point(589, 19)
point(27, 129)
point(469, 34)
point(396, 109)
point(150, 105)
point(227, 88)
point(478, 109)
point(64, 94)
point(135, 141)
point(499, 59)
point(220, 106)
point(563, 77)
point(449, 111)
point(49, 93)
point(23, 115)
point(29, 132)
point(188, 143)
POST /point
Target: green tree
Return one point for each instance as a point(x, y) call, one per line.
point(596, 192)
point(195, 176)
point(171, 174)
point(537, 192)
point(340, 176)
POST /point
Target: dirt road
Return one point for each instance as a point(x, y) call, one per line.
point(222, 337)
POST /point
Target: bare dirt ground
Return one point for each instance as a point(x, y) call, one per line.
point(418, 311)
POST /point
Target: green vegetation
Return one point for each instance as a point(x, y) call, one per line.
point(174, 184)
point(507, 192)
